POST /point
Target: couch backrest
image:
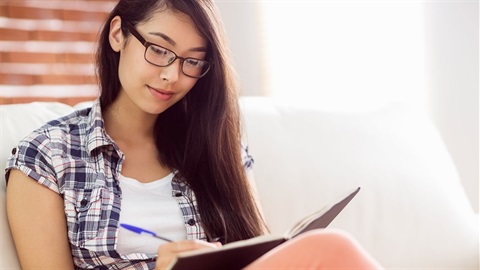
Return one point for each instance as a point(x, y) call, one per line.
point(412, 210)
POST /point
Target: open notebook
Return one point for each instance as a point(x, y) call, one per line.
point(239, 254)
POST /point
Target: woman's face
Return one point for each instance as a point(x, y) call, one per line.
point(147, 87)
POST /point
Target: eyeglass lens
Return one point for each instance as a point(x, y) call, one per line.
point(163, 57)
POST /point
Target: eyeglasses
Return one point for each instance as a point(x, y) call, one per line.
point(162, 57)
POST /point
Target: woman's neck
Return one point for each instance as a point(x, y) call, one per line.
point(132, 130)
point(125, 122)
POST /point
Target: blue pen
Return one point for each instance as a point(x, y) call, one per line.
point(140, 231)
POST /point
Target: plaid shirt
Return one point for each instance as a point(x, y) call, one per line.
point(74, 157)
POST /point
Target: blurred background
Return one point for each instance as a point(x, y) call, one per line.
point(336, 55)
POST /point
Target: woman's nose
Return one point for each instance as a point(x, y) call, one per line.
point(171, 72)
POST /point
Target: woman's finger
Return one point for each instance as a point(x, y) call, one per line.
point(169, 251)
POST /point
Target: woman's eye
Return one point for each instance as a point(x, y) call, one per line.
point(193, 62)
point(159, 50)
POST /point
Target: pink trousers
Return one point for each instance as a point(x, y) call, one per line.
point(317, 249)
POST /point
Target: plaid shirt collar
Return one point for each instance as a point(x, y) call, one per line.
point(96, 136)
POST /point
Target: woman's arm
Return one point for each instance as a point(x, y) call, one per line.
point(38, 225)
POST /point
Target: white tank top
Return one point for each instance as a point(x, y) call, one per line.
point(152, 207)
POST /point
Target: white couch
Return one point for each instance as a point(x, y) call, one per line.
point(412, 212)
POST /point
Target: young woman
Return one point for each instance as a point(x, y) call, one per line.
point(160, 149)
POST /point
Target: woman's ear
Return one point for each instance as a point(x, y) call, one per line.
point(115, 36)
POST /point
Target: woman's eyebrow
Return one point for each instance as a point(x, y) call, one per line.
point(165, 37)
point(173, 43)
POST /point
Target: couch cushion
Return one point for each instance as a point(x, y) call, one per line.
point(412, 211)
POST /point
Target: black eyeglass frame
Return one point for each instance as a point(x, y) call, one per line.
point(147, 44)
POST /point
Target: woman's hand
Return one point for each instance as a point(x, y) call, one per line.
point(169, 251)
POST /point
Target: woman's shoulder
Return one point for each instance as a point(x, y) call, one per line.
point(75, 120)
point(46, 151)
point(75, 124)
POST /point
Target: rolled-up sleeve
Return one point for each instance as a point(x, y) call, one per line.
point(33, 156)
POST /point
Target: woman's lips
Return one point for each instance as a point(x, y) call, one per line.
point(160, 93)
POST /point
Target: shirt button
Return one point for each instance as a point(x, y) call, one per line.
point(191, 222)
point(84, 202)
point(14, 150)
point(178, 194)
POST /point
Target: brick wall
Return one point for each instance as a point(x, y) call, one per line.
point(47, 49)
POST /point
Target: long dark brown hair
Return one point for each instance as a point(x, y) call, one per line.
point(201, 134)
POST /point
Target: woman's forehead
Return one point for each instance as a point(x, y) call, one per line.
point(177, 26)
